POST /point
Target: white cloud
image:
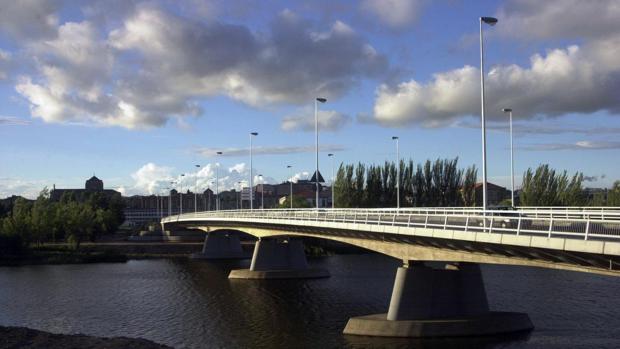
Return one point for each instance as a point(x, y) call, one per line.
point(571, 80)
point(29, 189)
point(261, 150)
point(13, 121)
point(150, 179)
point(303, 120)
point(396, 14)
point(29, 19)
point(580, 145)
point(534, 19)
point(150, 65)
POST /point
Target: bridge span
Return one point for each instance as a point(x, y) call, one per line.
point(439, 290)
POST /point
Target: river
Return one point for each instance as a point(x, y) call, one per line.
point(192, 304)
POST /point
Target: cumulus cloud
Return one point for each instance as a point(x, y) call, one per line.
point(533, 19)
point(29, 19)
point(571, 80)
point(151, 65)
point(259, 150)
point(580, 145)
point(396, 14)
point(303, 120)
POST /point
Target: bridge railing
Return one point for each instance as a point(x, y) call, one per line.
point(586, 226)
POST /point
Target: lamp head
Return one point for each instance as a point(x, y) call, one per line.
point(506, 110)
point(394, 137)
point(197, 165)
point(330, 154)
point(489, 20)
point(219, 153)
point(288, 166)
point(254, 133)
point(321, 99)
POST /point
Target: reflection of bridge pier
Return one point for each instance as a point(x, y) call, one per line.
point(429, 301)
point(276, 258)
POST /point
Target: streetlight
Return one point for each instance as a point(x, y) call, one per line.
point(252, 134)
point(196, 191)
point(290, 181)
point(512, 162)
point(397, 173)
point(217, 183)
point(181, 194)
point(332, 156)
point(316, 131)
point(490, 21)
point(262, 192)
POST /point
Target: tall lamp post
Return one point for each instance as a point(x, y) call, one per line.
point(490, 21)
point(181, 194)
point(196, 191)
point(332, 157)
point(316, 131)
point(397, 173)
point(252, 134)
point(217, 183)
point(512, 160)
point(290, 181)
point(262, 195)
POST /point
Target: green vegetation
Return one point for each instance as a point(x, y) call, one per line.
point(438, 183)
point(33, 223)
point(546, 187)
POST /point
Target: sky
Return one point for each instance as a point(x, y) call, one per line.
point(140, 92)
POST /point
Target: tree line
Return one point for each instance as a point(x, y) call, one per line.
point(71, 219)
point(434, 183)
point(441, 183)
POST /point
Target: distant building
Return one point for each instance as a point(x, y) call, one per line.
point(495, 194)
point(92, 185)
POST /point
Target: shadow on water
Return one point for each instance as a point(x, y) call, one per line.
point(488, 342)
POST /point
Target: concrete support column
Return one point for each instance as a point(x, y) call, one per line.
point(422, 292)
point(443, 301)
point(271, 254)
point(221, 245)
point(278, 259)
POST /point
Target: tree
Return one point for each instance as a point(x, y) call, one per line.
point(613, 196)
point(545, 187)
point(469, 186)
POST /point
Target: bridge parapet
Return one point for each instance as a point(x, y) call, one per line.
point(583, 225)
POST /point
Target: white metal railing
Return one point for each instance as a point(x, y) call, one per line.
point(585, 225)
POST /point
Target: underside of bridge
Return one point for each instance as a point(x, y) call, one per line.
point(439, 290)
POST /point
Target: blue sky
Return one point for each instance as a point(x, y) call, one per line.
point(139, 92)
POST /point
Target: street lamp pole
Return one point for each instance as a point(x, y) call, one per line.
point(490, 21)
point(170, 199)
point(512, 161)
point(196, 191)
point(290, 181)
point(332, 156)
point(397, 173)
point(316, 131)
point(239, 201)
point(217, 183)
point(252, 134)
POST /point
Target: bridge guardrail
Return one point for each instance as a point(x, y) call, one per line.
point(586, 227)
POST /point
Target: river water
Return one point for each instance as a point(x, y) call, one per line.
point(192, 304)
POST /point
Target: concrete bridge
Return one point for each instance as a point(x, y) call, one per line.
point(439, 290)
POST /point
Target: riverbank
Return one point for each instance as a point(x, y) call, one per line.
point(22, 337)
point(61, 255)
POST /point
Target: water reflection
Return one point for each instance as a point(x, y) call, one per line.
point(192, 304)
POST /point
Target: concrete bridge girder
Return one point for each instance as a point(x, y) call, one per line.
point(434, 246)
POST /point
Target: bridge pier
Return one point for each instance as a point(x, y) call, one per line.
point(438, 302)
point(221, 245)
point(278, 259)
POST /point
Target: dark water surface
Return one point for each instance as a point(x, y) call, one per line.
point(191, 304)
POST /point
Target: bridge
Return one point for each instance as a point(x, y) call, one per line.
point(439, 290)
